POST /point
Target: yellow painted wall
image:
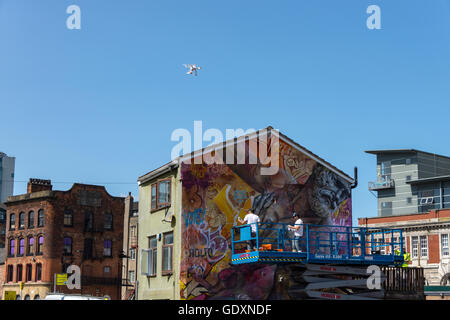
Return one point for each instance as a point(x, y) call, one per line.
point(151, 224)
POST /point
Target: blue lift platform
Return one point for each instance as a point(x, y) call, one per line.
point(320, 244)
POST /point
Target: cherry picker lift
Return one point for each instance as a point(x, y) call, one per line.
point(335, 262)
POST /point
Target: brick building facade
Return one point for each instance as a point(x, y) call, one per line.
point(49, 230)
point(425, 238)
point(130, 248)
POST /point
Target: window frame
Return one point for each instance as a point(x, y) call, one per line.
point(33, 248)
point(156, 205)
point(19, 273)
point(423, 248)
point(415, 248)
point(110, 215)
point(38, 275)
point(105, 247)
point(30, 219)
point(21, 246)
point(12, 218)
point(10, 273)
point(447, 255)
point(12, 245)
point(39, 249)
point(41, 218)
point(21, 225)
point(164, 246)
point(64, 246)
point(153, 256)
point(29, 272)
point(68, 214)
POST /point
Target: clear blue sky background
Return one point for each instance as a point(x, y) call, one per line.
point(99, 104)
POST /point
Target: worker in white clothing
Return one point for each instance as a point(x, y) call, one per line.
point(251, 219)
point(297, 228)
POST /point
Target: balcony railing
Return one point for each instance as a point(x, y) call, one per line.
point(386, 183)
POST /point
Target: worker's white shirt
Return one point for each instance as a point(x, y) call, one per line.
point(251, 218)
point(299, 231)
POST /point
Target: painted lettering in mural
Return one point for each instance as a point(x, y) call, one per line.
point(195, 217)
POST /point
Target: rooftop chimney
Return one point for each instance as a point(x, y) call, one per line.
point(36, 185)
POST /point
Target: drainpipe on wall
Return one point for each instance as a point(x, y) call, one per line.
point(355, 184)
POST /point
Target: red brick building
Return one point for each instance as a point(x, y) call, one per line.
point(425, 238)
point(49, 230)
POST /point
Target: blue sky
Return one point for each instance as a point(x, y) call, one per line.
point(98, 105)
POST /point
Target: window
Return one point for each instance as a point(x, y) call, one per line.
point(22, 220)
point(30, 250)
point(40, 246)
point(12, 247)
point(167, 251)
point(108, 221)
point(10, 273)
point(88, 247)
point(67, 248)
point(37, 297)
point(68, 218)
point(423, 246)
point(88, 221)
point(12, 222)
point(19, 273)
point(408, 178)
point(444, 245)
point(107, 270)
point(41, 218)
point(107, 248)
point(21, 247)
point(27, 297)
point(415, 246)
point(38, 272)
point(131, 276)
point(408, 200)
point(154, 206)
point(133, 231)
point(152, 256)
point(29, 272)
point(132, 254)
point(161, 194)
point(31, 219)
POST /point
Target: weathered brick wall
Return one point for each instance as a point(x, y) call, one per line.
point(79, 200)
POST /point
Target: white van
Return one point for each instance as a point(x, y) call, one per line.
point(62, 296)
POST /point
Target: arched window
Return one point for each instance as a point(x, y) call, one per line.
point(41, 218)
point(30, 249)
point(67, 250)
point(31, 219)
point(22, 220)
point(108, 221)
point(68, 218)
point(27, 297)
point(40, 245)
point(21, 247)
point(37, 297)
point(12, 221)
point(12, 247)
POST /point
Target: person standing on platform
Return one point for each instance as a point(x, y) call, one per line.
point(251, 219)
point(297, 228)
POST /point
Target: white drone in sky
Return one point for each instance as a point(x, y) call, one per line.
point(193, 68)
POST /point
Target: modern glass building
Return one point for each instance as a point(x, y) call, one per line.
point(410, 181)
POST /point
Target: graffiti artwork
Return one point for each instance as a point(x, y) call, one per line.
point(215, 195)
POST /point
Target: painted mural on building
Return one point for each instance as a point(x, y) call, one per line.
point(215, 195)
